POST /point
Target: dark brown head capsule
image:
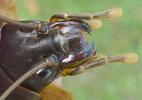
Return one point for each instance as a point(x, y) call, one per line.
point(21, 48)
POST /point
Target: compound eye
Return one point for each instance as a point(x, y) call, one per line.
point(42, 74)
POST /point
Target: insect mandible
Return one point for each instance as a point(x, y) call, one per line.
point(45, 50)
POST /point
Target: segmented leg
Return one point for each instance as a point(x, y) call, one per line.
point(115, 12)
point(102, 60)
point(92, 19)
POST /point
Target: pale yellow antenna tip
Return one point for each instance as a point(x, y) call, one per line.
point(131, 58)
point(95, 23)
point(115, 12)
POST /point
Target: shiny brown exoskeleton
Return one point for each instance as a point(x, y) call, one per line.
point(20, 49)
point(63, 40)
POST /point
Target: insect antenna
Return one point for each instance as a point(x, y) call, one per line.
point(44, 64)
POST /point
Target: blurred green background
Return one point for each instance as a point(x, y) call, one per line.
point(117, 36)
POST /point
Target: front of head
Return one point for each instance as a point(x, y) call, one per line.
point(72, 42)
